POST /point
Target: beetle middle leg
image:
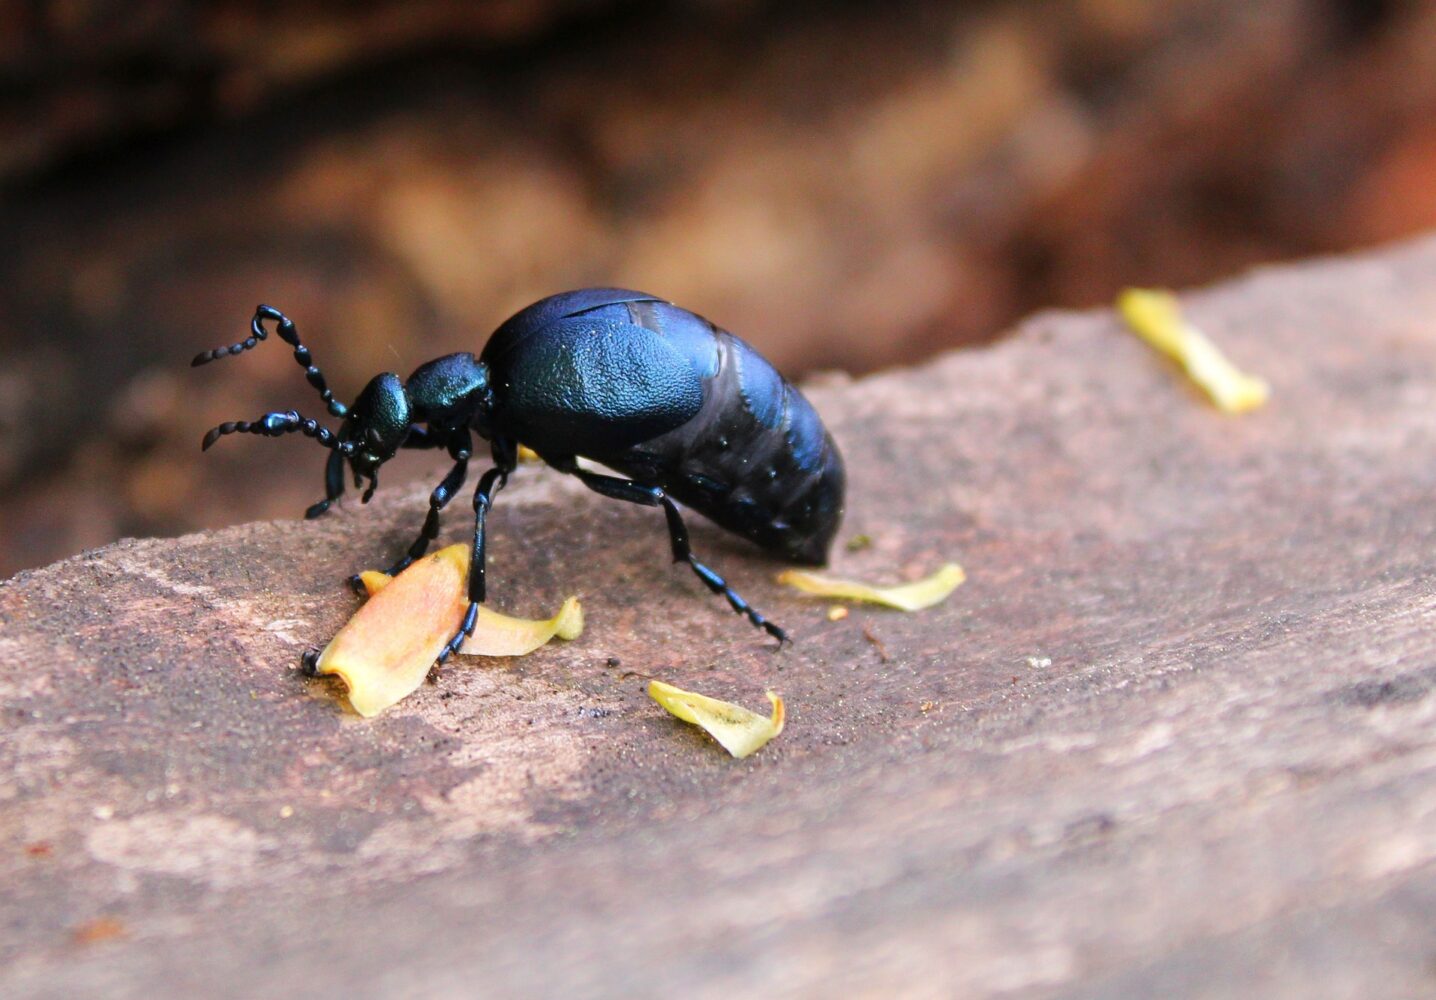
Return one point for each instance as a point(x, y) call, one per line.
point(505, 457)
point(652, 496)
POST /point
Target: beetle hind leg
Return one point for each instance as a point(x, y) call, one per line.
point(652, 496)
point(718, 585)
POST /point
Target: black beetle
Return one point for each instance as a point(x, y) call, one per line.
point(685, 410)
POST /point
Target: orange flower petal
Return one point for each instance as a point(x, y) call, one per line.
point(385, 651)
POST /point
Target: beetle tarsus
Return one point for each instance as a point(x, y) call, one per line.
point(309, 662)
point(471, 618)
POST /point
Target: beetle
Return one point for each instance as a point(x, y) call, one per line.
point(683, 410)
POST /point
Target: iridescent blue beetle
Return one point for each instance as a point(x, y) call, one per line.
point(685, 410)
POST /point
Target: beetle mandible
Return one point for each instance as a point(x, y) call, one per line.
point(681, 408)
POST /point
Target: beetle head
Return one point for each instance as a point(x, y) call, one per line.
point(375, 427)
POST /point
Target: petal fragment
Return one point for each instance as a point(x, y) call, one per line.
point(740, 731)
point(1156, 317)
point(374, 581)
point(501, 635)
point(385, 651)
point(498, 634)
point(913, 596)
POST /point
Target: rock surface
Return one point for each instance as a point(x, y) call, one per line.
point(1175, 736)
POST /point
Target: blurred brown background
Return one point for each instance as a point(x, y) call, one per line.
point(845, 185)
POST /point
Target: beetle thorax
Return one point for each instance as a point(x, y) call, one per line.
point(450, 393)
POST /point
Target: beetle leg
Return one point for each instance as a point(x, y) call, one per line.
point(333, 485)
point(490, 484)
point(652, 496)
point(438, 500)
point(421, 437)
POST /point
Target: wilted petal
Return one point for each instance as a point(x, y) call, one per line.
point(914, 596)
point(740, 731)
point(501, 635)
point(385, 651)
point(1156, 317)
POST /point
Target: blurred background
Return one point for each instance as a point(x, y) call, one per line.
point(845, 185)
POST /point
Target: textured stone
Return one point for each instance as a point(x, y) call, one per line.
point(1175, 736)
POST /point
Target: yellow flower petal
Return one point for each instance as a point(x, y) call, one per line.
point(1156, 317)
point(740, 731)
point(385, 651)
point(501, 635)
point(914, 596)
point(374, 581)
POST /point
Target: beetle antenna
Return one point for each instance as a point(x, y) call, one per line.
point(287, 333)
point(277, 425)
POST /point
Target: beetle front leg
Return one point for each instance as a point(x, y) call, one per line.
point(333, 486)
point(438, 500)
point(489, 485)
point(459, 449)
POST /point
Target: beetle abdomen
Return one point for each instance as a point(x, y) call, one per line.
point(756, 458)
point(663, 396)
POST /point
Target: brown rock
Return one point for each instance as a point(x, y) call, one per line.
point(1173, 737)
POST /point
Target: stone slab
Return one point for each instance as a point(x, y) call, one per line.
point(1176, 735)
